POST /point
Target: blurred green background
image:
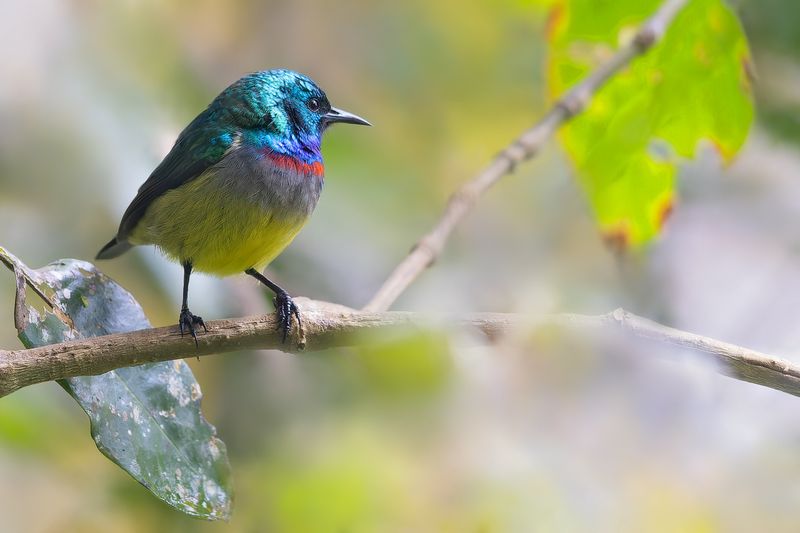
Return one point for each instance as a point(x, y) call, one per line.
point(425, 431)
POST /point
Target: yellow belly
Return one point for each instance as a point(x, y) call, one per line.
point(218, 232)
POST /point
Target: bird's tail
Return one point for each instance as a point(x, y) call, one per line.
point(114, 248)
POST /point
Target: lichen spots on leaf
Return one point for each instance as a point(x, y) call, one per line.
point(725, 155)
point(701, 54)
point(716, 21)
point(664, 209)
point(617, 238)
point(555, 20)
point(748, 72)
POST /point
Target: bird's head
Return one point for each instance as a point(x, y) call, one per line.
point(281, 110)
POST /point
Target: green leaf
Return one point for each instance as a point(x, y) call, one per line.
point(147, 418)
point(692, 86)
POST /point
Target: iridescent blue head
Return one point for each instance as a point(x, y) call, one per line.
point(281, 112)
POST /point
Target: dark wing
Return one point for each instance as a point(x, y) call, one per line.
point(199, 147)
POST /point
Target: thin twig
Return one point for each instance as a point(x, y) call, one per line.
point(430, 246)
point(329, 326)
point(21, 271)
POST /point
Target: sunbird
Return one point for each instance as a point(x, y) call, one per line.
point(238, 185)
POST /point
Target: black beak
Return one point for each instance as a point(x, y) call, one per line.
point(340, 115)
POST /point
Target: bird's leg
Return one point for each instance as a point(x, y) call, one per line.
point(187, 320)
point(284, 306)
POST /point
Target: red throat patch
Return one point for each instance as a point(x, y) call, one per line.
point(290, 163)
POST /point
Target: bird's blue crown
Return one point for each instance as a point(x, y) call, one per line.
point(275, 110)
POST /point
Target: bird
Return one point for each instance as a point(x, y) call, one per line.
point(240, 182)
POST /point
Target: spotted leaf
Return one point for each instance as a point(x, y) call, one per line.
point(146, 418)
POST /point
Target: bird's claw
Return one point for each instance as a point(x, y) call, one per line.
point(285, 309)
point(188, 321)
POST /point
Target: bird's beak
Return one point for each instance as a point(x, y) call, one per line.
point(340, 115)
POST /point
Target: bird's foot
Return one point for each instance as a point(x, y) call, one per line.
point(188, 321)
point(285, 309)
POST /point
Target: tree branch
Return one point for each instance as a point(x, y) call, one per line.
point(328, 325)
point(429, 247)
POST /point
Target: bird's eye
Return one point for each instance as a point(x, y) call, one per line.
point(314, 104)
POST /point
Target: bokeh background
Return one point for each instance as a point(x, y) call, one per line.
point(424, 431)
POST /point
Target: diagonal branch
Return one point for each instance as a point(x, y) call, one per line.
point(328, 325)
point(430, 246)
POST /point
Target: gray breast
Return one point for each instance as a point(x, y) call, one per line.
point(282, 192)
